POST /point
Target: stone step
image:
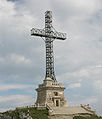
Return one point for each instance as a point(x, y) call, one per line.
point(70, 110)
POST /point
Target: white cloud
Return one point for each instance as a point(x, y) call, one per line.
point(76, 10)
point(81, 73)
point(99, 66)
point(19, 59)
point(4, 109)
point(86, 72)
point(91, 100)
point(86, 6)
point(18, 98)
point(1, 59)
point(98, 84)
point(15, 59)
point(15, 101)
point(90, 73)
point(6, 7)
point(86, 100)
point(4, 87)
point(75, 85)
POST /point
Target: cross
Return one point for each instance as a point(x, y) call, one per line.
point(50, 35)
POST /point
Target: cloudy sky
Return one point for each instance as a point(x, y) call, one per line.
point(78, 60)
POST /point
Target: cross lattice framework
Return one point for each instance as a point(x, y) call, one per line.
point(50, 34)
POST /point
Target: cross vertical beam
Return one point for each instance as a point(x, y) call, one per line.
point(49, 46)
point(50, 35)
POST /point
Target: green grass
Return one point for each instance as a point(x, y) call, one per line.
point(35, 114)
point(38, 114)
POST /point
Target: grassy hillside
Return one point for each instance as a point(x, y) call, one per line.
point(32, 114)
point(24, 113)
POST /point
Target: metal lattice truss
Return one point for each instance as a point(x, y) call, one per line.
point(42, 33)
point(49, 35)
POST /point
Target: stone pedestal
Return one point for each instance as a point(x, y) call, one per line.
point(51, 93)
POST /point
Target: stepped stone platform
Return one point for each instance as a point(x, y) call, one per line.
point(69, 112)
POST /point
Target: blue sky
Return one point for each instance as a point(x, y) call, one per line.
point(78, 60)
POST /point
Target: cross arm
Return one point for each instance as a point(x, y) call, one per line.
point(59, 35)
point(38, 32)
point(42, 33)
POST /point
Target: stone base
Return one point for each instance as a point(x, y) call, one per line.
point(51, 93)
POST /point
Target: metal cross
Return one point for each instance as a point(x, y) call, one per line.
point(49, 35)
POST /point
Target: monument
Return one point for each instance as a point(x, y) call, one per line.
point(50, 93)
